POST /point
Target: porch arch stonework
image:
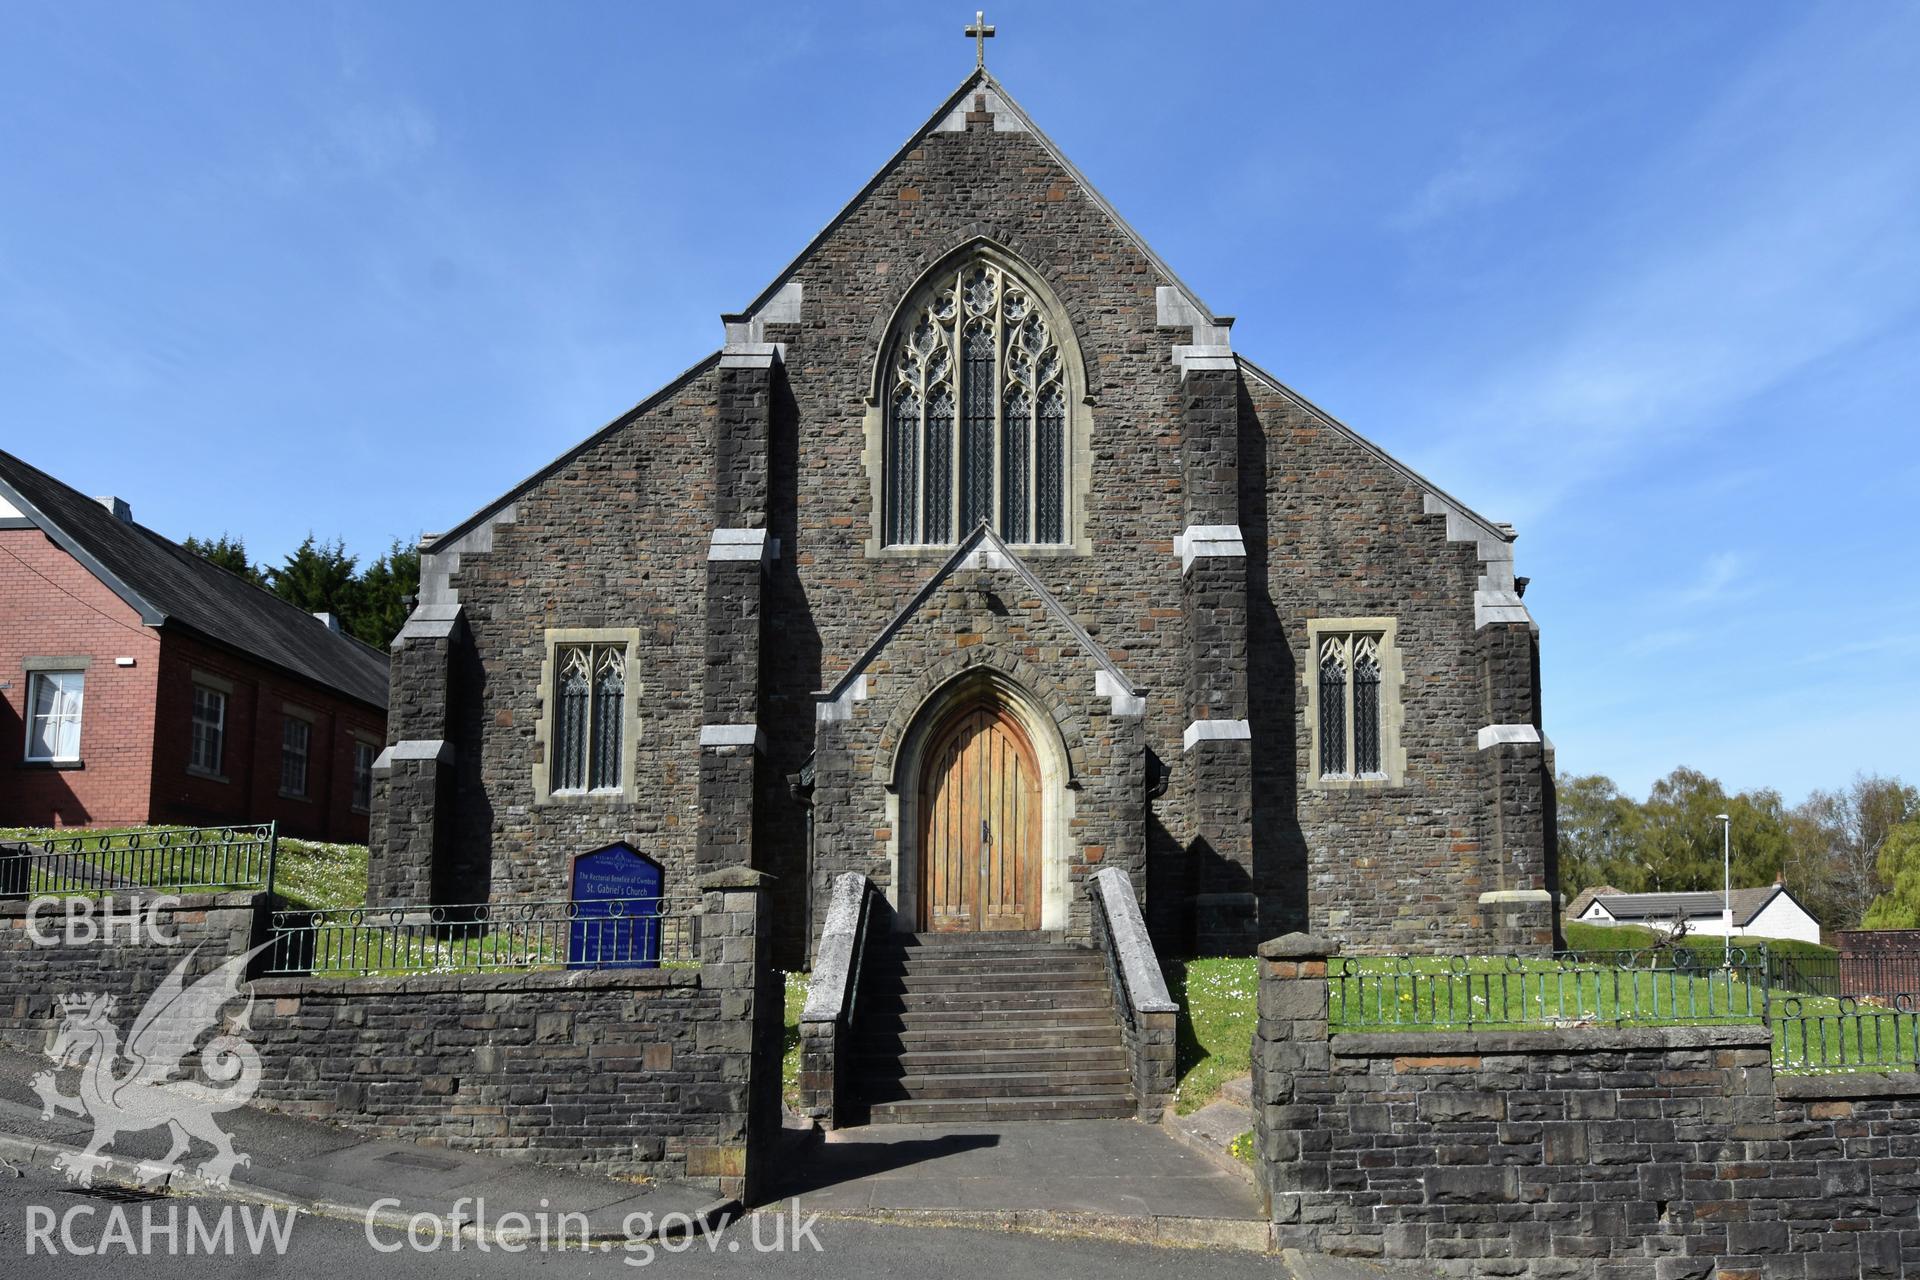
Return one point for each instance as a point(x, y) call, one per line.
point(979, 632)
point(984, 683)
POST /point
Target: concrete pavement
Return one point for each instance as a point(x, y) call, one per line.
point(1042, 1199)
point(1113, 1178)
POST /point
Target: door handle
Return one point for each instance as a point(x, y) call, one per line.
point(986, 832)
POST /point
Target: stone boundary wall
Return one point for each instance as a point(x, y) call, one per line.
point(665, 1073)
point(1663, 1153)
point(625, 1071)
point(33, 977)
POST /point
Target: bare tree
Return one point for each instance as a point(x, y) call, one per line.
point(1847, 829)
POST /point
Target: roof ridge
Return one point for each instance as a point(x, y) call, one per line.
point(169, 585)
point(202, 564)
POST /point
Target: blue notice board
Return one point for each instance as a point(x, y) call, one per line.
point(616, 894)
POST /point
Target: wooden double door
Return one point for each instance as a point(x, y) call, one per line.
point(979, 814)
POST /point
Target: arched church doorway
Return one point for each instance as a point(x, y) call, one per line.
point(981, 816)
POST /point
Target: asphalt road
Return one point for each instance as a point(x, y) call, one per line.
point(36, 1214)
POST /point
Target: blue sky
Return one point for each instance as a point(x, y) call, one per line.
point(1642, 279)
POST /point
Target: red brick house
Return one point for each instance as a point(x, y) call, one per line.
point(140, 683)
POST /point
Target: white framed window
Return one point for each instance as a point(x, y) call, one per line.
point(296, 742)
point(364, 754)
point(209, 730)
point(55, 701)
point(1353, 703)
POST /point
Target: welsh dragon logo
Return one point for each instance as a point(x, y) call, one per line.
point(131, 1089)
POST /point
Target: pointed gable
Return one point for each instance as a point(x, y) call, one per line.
point(983, 550)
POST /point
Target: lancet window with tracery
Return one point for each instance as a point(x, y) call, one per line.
point(976, 416)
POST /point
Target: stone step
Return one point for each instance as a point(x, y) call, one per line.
point(881, 1004)
point(891, 1021)
point(1012, 962)
point(963, 1039)
point(987, 987)
point(995, 1084)
point(997, 939)
point(1011, 1057)
point(1112, 1106)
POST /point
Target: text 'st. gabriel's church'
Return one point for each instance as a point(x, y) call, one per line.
point(976, 561)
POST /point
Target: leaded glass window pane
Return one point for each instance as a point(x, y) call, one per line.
point(609, 698)
point(1333, 708)
point(1366, 707)
point(976, 416)
point(570, 722)
point(938, 493)
point(1016, 427)
point(1051, 480)
point(589, 717)
point(903, 473)
point(976, 440)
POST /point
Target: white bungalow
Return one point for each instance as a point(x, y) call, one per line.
point(1770, 911)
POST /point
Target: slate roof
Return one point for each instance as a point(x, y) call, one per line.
point(1706, 904)
point(170, 586)
point(1578, 907)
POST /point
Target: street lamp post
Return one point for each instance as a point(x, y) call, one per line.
point(1726, 883)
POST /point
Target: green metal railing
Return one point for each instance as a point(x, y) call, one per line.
point(167, 858)
point(1650, 988)
point(1660, 986)
point(611, 933)
point(1845, 1034)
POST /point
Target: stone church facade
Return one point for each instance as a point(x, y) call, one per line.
point(975, 561)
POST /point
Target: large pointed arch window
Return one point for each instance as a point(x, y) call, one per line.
point(976, 415)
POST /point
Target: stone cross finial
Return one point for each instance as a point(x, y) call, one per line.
point(981, 33)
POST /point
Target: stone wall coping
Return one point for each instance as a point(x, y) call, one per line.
point(1133, 948)
point(736, 878)
point(834, 958)
point(1849, 1084)
point(16, 908)
point(536, 980)
point(1557, 1040)
point(1298, 946)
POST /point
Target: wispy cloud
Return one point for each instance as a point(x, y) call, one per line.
point(1485, 170)
point(1719, 580)
point(1782, 228)
point(1648, 643)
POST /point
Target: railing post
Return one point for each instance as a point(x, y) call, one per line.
point(273, 853)
point(1766, 984)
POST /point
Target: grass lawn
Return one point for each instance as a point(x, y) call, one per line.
point(1218, 1010)
point(1383, 993)
point(312, 874)
point(796, 986)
